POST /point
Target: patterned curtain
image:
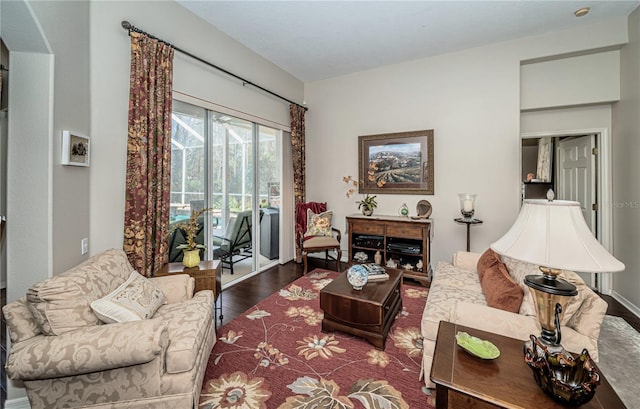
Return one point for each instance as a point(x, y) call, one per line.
point(298, 145)
point(298, 153)
point(148, 154)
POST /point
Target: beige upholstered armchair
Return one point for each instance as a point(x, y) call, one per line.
point(66, 357)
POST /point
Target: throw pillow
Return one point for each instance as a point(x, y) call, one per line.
point(136, 299)
point(318, 224)
point(518, 270)
point(500, 290)
point(488, 259)
point(573, 304)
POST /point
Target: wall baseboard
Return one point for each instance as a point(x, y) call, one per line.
point(626, 303)
point(20, 403)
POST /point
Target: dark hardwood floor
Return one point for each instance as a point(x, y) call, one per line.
point(242, 296)
point(248, 293)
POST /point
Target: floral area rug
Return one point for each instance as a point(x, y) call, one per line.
point(275, 355)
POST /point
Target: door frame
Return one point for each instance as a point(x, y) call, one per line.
point(604, 195)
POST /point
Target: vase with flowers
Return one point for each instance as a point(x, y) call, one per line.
point(367, 204)
point(191, 249)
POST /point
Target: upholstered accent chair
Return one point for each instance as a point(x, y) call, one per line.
point(67, 357)
point(319, 240)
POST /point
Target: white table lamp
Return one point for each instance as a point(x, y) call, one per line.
point(554, 235)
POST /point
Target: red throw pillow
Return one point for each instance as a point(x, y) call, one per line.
point(500, 290)
point(488, 259)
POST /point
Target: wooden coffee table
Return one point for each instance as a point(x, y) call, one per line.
point(463, 381)
point(366, 313)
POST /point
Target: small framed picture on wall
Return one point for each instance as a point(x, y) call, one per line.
point(76, 149)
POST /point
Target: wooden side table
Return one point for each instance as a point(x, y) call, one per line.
point(464, 381)
point(468, 222)
point(208, 276)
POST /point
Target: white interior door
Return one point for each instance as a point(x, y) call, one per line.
point(576, 179)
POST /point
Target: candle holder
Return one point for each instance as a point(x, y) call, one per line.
point(467, 204)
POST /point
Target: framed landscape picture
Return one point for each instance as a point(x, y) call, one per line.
point(396, 163)
point(75, 149)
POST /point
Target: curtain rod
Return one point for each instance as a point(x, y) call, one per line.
point(130, 27)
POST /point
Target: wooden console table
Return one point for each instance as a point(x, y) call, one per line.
point(208, 276)
point(404, 240)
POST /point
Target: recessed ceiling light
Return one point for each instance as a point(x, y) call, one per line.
point(582, 12)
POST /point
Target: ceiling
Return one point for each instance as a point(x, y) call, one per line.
point(314, 40)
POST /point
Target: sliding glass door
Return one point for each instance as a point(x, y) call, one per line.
point(232, 166)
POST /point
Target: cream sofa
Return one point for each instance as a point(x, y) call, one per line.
point(67, 358)
point(456, 296)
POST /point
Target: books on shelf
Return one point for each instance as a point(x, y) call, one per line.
point(376, 272)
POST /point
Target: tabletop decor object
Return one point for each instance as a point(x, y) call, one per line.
point(360, 256)
point(477, 347)
point(467, 204)
point(357, 275)
point(579, 379)
point(423, 209)
point(191, 248)
point(554, 235)
point(367, 204)
point(404, 210)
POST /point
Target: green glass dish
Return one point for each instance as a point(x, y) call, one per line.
point(477, 347)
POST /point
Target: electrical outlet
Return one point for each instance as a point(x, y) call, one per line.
point(84, 246)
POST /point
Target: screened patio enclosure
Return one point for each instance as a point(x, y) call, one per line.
point(230, 165)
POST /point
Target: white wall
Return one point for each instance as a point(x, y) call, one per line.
point(579, 80)
point(47, 207)
point(66, 27)
point(29, 182)
point(110, 58)
point(626, 168)
point(587, 117)
point(471, 99)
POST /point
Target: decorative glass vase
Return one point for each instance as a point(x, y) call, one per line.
point(357, 276)
point(404, 210)
point(467, 204)
point(191, 258)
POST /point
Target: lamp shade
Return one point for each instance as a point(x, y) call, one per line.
point(554, 234)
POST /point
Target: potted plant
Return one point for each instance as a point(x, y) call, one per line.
point(367, 205)
point(191, 249)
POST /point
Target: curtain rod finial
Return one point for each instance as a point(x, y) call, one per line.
point(126, 25)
